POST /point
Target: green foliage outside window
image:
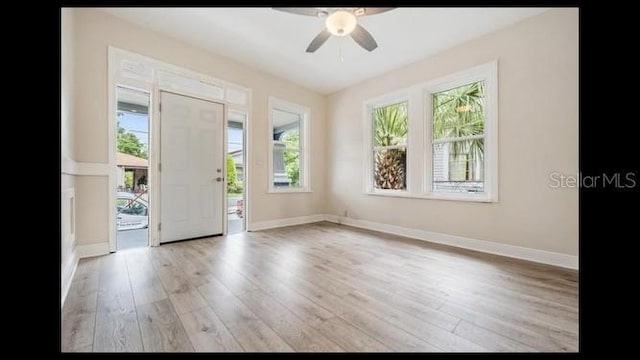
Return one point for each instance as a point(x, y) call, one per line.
point(292, 157)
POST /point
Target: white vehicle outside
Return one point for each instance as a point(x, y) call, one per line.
point(133, 212)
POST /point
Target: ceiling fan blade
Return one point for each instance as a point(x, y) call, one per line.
point(318, 41)
point(299, 11)
point(371, 11)
point(363, 38)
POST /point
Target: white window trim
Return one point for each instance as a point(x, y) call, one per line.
point(489, 74)
point(305, 145)
point(369, 106)
point(419, 147)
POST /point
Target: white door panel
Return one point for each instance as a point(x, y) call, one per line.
point(191, 157)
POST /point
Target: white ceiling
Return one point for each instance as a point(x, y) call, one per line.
point(275, 42)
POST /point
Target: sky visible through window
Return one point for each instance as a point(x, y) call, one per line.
point(234, 138)
point(138, 124)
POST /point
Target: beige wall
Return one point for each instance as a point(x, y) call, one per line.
point(538, 122)
point(94, 31)
point(67, 88)
point(67, 85)
point(538, 134)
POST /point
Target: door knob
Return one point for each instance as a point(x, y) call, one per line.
point(218, 179)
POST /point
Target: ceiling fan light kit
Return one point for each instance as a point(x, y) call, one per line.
point(340, 22)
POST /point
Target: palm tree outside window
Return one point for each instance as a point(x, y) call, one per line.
point(458, 138)
point(390, 146)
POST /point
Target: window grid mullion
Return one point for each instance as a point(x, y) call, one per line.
point(377, 148)
point(479, 156)
point(454, 139)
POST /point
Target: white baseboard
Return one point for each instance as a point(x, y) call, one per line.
point(491, 247)
point(518, 252)
point(270, 224)
point(91, 250)
point(68, 271)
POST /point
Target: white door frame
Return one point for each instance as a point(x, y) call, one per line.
point(112, 181)
point(147, 82)
point(245, 161)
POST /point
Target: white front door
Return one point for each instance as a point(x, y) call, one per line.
point(191, 167)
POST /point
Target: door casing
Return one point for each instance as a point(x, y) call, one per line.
point(116, 57)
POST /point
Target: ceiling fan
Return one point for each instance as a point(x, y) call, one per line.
point(340, 22)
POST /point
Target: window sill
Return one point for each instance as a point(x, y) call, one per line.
point(435, 196)
point(288, 191)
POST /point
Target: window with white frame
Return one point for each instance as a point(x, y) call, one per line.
point(390, 129)
point(288, 139)
point(455, 158)
point(457, 138)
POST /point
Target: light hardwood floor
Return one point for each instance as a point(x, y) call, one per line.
point(317, 287)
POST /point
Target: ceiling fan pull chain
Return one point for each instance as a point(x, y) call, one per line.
point(340, 52)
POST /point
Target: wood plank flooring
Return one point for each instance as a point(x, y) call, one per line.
point(318, 287)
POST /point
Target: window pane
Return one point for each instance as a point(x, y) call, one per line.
point(459, 112)
point(458, 166)
point(286, 149)
point(292, 167)
point(291, 138)
point(390, 169)
point(286, 127)
point(286, 168)
point(390, 125)
point(289, 160)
